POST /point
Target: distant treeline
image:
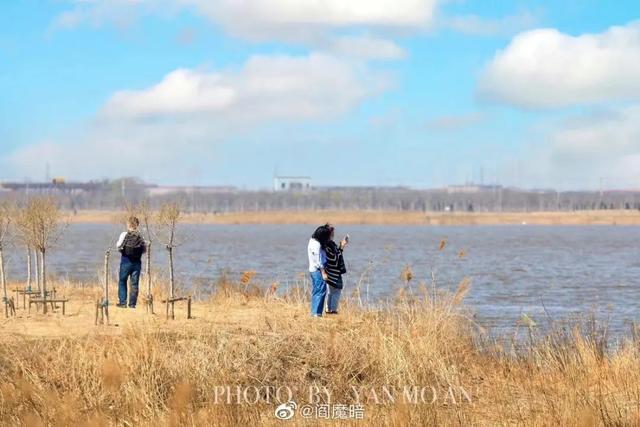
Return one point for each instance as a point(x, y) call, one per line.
point(391, 199)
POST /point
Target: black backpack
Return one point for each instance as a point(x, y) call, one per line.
point(133, 246)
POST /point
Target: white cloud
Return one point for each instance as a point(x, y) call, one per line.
point(456, 122)
point(545, 68)
point(151, 151)
point(481, 26)
point(181, 120)
point(365, 47)
point(350, 29)
point(585, 151)
point(180, 92)
point(334, 13)
point(122, 13)
point(605, 138)
point(267, 87)
point(266, 18)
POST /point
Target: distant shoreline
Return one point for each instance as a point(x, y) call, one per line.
point(603, 217)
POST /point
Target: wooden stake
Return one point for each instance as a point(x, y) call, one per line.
point(3, 283)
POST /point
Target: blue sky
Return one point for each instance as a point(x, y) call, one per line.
point(412, 92)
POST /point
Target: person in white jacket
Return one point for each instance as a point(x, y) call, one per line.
point(317, 261)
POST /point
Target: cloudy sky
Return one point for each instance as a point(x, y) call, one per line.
point(359, 92)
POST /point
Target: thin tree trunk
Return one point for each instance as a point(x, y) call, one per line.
point(105, 303)
point(149, 270)
point(37, 266)
point(106, 277)
point(43, 274)
point(171, 279)
point(29, 280)
point(3, 282)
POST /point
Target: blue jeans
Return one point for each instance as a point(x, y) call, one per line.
point(128, 269)
point(333, 299)
point(318, 293)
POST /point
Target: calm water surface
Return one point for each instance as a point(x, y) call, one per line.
point(542, 271)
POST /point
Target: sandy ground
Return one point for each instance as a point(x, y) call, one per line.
point(604, 217)
point(79, 319)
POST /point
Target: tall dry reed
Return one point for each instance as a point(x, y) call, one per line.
point(159, 375)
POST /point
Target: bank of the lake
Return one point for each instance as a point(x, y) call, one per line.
point(599, 217)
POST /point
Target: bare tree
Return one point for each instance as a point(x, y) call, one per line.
point(22, 229)
point(102, 305)
point(6, 215)
point(25, 236)
point(42, 224)
point(147, 219)
point(169, 217)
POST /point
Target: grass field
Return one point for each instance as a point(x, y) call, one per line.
point(612, 217)
point(146, 370)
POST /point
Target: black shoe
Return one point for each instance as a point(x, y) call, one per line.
point(332, 312)
point(132, 306)
point(121, 305)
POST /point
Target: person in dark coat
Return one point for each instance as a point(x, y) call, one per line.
point(334, 268)
point(132, 246)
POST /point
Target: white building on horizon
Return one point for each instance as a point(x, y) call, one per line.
point(291, 183)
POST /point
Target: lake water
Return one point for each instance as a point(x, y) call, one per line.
point(542, 271)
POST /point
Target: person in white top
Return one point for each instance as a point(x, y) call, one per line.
point(317, 261)
point(317, 256)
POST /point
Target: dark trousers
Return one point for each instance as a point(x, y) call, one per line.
point(129, 268)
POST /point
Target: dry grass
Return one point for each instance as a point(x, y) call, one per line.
point(612, 217)
point(147, 371)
